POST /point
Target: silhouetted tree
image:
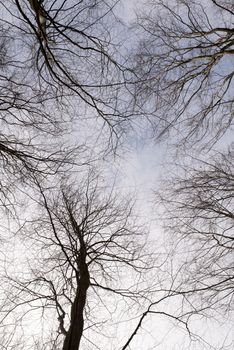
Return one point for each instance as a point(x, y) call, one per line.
point(71, 46)
point(184, 63)
point(86, 268)
point(199, 218)
point(57, 69)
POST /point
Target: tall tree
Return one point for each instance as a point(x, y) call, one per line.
point(184, 62)
point(72, 47)
point(87, 267)
point(199, 206)
point(58, 69)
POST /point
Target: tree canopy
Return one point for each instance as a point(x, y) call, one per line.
point(83, 263)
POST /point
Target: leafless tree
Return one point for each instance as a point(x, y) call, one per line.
point(70, 51)
point(56, 69)
point(27, 121)
point(184, 62)
point(83, 242)
point(87, 268)
point(199, 219)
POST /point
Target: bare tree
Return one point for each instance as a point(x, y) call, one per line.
point(199, 219)
point(87, 267)
point(56, 69)
point(82, 239)
point(70, 51)
point(184, 63)
point(32, 130)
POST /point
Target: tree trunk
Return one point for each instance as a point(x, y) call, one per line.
point(75, 331)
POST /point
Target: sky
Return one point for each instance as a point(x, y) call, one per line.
point(139, 170)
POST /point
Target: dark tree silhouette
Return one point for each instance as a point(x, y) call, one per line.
point(199, 219)
point(57, 69)
point(184, 62)
point(92, 260)
point(72, 48)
